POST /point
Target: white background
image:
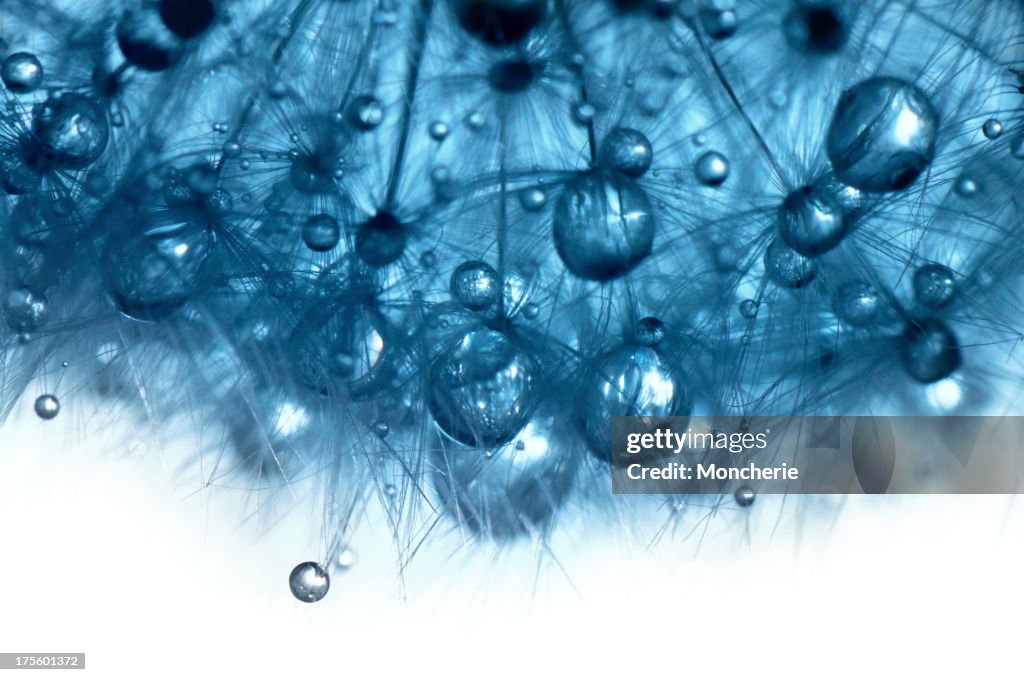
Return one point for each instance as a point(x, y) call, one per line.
point(108, 549)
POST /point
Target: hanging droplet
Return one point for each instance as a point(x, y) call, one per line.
point(712, 168)
point(629, 381)
point(719, 21)
point(992, 128)
point(321, 233)
point(882, 135)
point(69, 130)
point(603, 225)
point(475, 285)
point(381, 428)
point(627, 151)
point(812, 222)
point(439, 130)
point(748, 308)
point(47, 406)
point(511, 490)
point(857, 303)
point(532, 199)
point(483, 390)
point(154, 269)
point(745, 496)
point(366, 112)
point(650, 331)
point(934, 286)
point(309, 582)
point(929, 351)
point(966, 186)
point(787, 268)
point(21, 72)
point(345, 559)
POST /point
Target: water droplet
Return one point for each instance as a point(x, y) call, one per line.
point(857, 303)
point(787, 268)
point(882, 135)
point(712, 168)
point(992, 128)
point(474, 284)
point(603, 225)
point(321, 233)
point(346, 558)
point(22, 72)
point(532, 199)
point(47, 406)
point(71, 130)
point(929, 351)
point(627, 151)
point(934, 286)
point(309, 582)
point(381, 428)
point(966, 186)
point(483, 390)
point(366, 112)
point(748, 308)
point(439, 130)
point(24, 310)
point(584, 113)
point(650, 331)
point(811, 221)
point(745, 496)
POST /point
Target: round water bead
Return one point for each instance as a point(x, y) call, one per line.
point(381, 239)
point(749, 308)
point(47, 406)
point(712, 168)
point(483, 390)
point(532, 199)
point(500, 22)
point(321, 232)
point(511, 75)
point(155, 269)
point(603, 225)
point(720, 21)
point(627, 151)
point(343, 342)
point(475, 285)
point(69, 131)
point(882, 135)
point(22, 72)
point(811, 221)
point(146, 41)
point(309, 582)
point(787, 268)
point(629, 381)
point(929, 351)
point(934, 286)
point(187, 18)
point(366, 112)
point(345, 559)
point(745, 496)
point(857, 303)
point(966, 186)
point(815, 28)
point(24, 311)
point(439, 130)
point(992, 128)
point(513, 489)
point(650, 331)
